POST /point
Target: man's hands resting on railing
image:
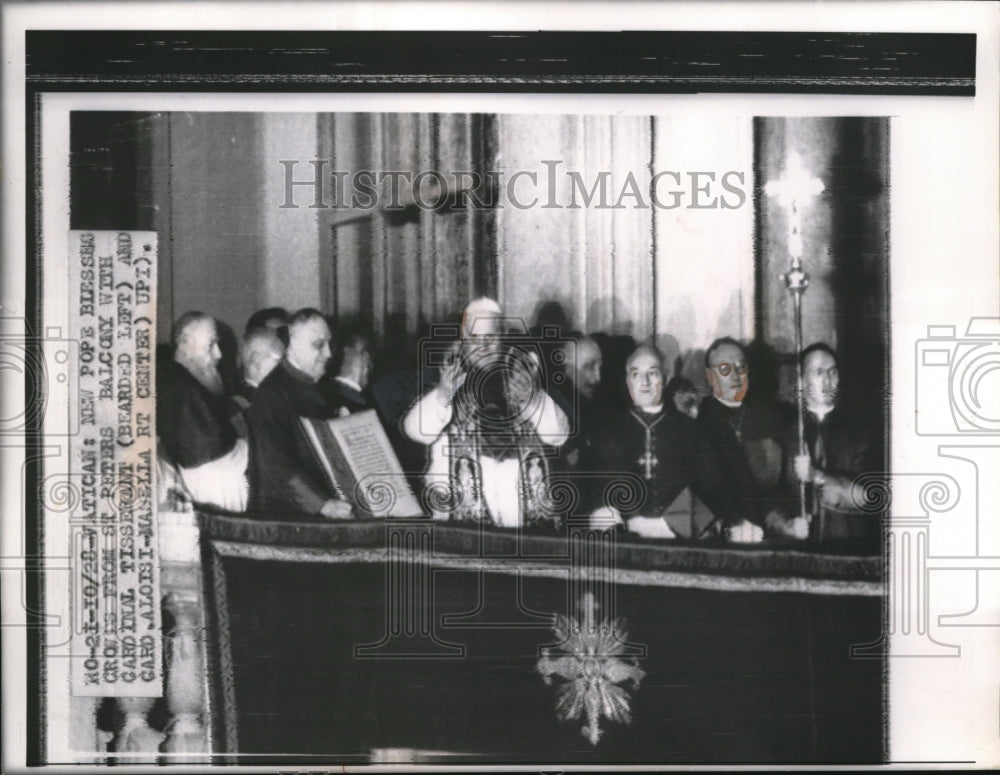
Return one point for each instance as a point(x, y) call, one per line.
point(647, 527)
point(336, 509)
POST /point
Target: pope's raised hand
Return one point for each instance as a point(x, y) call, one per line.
point(521, 381)
point(451, 379)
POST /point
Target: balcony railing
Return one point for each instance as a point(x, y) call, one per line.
point(425, 593)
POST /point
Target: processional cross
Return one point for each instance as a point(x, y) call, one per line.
point(794, 190)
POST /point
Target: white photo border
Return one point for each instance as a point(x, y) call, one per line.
point(945, 242)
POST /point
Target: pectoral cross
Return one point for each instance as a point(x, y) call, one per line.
point(649, 461)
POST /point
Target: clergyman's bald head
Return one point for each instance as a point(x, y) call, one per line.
point(645, 351)
point(583, 365)
point(262, 351)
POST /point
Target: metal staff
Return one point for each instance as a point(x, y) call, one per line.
point(797, 187)
point(797, 281)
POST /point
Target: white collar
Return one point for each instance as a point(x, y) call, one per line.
point(730, 404)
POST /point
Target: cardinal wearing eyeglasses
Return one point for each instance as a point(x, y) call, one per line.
point(743, 457)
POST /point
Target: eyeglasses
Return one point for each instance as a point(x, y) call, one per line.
point(725, 369)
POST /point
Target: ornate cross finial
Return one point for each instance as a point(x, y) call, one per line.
point(794, 190)
point(592, 668)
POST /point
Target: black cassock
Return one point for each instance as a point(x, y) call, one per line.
point(843, 446)
point(287, 480)
point(744, 459)
point(350, 400)
point(655, 450)
point(191, 422)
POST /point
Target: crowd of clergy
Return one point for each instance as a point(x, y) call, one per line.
point(519, 428)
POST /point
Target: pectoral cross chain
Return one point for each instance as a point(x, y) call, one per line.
point(648, 461)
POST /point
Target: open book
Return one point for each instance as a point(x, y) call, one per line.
point(361, 466)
